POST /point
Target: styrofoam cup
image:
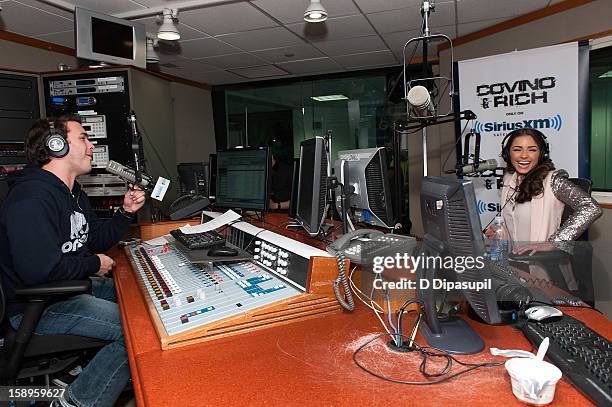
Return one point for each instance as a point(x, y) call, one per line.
point(533, 380)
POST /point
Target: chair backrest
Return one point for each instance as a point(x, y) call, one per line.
point(586, 185)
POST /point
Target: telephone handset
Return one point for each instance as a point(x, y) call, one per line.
point(348, 240)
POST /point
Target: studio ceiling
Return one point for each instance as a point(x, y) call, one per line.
point(239, 40)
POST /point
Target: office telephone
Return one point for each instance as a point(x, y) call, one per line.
point(360, 247)
point(362, 244)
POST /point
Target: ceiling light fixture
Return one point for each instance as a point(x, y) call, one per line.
point(315, 12)
point(328, 98)
point(168, 31)
point(152, 57)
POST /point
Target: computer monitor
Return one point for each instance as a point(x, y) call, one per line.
point(212, 176)
point(242, 179)
point(312, 185)
point(452, 228)
point(364, 174)
point(294, 188)
point(193, 178)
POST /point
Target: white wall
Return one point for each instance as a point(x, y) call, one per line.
point(24, 57)
point(194, 129)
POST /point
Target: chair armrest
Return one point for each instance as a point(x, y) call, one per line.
point(542, 257)
point(56, 288)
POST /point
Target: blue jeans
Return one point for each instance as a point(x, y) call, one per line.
point(94, 316)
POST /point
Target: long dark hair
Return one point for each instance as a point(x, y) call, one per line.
point(533, 183)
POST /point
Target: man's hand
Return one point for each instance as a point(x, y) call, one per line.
point(534, 248)
point(106, 265)
point(133, 199)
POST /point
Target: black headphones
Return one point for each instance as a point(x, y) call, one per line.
point(544, 154)
point(55, 143)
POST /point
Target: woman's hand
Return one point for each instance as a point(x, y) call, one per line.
point(489, 232)
point(534, 248)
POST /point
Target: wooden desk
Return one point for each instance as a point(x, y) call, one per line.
point(309, 363)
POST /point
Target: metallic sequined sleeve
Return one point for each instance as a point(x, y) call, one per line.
point(586, 209)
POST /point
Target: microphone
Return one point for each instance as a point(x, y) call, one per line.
point(127, 174)
point(482, 166)
point(420, 99)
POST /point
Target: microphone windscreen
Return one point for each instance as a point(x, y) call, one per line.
point(419, 97)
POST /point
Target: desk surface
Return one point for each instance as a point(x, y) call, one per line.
point(309, 363)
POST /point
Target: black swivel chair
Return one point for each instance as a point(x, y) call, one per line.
point(581, 259)
point(24, 354)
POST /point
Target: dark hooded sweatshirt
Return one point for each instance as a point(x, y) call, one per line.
point(49, 233)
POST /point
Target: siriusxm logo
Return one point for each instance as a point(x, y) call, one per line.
point(487, 207)
point(554, 122)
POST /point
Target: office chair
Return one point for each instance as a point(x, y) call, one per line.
point(580, 260)
point(24, 354)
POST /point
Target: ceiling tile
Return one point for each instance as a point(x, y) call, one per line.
point(276, 55)
point(377, 58)
point(352, 45)
point(177, 67)
point(232, 61)
point(292, 11)
point(152, 24)
point(215, 78)
point(19, 18)
point(333, 29)
point(264, 71)
point(468, 28)
point(473, 10)
point(396, 20)
point(316, 65)
point(266, 38)
point(374, 6)
point(205, 47)
point(226, 18)
point(47, 8)
point(409, 18)
point(65, 38)
point(108, 6)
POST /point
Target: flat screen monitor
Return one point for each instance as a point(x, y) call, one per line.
point(364, 174)
point(242, 178)
point(312, 185)
point(193, 178)
point(452, 228)
point(294, 188)
point(212, 176)
point(100, 37)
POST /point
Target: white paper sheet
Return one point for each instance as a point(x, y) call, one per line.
point(222, 220)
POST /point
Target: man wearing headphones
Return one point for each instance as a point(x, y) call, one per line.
point(48, 232)
point(535, 194)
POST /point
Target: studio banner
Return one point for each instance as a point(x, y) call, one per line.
point(536, 88)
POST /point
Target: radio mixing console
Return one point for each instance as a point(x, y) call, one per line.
point(286, 281)
point(187, 295)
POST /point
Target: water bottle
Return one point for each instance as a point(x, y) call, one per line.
point(500, 240)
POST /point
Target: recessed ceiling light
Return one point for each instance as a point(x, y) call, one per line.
point(328, 98)
point(606, 75)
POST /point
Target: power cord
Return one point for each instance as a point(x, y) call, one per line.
point(427, 353)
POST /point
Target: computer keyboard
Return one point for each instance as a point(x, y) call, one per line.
point(584, 356)
point(196, 241)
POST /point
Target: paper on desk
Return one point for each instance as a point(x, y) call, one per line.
point(158, 241)
point(227, 217)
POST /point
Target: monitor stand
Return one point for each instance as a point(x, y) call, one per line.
point(450, 334)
